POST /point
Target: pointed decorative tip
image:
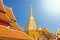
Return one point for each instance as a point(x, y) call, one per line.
point(31, 14)
point(31, 6)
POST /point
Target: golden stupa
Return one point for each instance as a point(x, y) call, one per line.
point(31, 26)
point(35, 32)
point(9, 29)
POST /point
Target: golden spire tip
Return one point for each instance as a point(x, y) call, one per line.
point(31, 6)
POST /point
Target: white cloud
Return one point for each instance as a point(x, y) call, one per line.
point(52, 6)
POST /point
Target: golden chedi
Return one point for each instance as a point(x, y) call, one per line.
point(31, 27)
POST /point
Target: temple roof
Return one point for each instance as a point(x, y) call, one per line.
point(2, 9)
point(12, 22)
point(8, 17)
point(10, 33)
point(47, 33)
point(9, 13)
point(6, 12)
point(31, 24)
point(3, 16)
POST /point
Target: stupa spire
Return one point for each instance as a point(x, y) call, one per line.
point(31, 13)
point(31, 7)
point(31, 24)
point(31, 10)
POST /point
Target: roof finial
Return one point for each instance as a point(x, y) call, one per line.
point(31, 10)
point(31, 6)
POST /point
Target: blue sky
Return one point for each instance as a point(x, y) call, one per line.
point(46, 12)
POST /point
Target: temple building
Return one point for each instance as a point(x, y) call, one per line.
point(32, 29)
point(44, 34)
point(9, 29)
